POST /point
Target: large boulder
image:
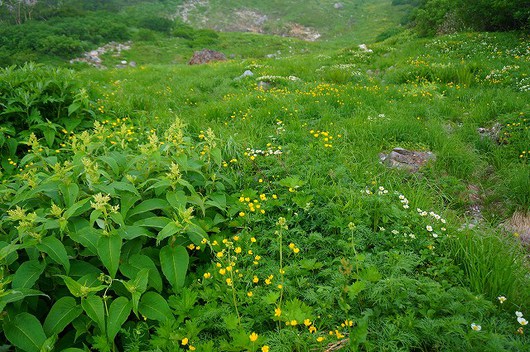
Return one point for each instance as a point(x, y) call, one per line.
point(205, 56)
point(410, 160)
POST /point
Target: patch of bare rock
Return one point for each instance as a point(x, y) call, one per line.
point(206, 56)
point(93, 57)
point(410, 160)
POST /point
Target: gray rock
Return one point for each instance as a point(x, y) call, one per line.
point(338, 5)
point(247, 73)
point(410, 160)
point(205, 56)
point(132, 64)
point(493, 132)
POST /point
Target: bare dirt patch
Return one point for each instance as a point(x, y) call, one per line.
point(519, 224)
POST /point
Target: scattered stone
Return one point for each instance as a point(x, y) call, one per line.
point(123, 62)
point(474, 210)
point(375, 72)
point(493, 132)
point(364, 48)
point(410, 160)
point(93, 57)
point(132, 64)
point(338, 5)
point(205, 56)
point(247, 73)
point(303, 32)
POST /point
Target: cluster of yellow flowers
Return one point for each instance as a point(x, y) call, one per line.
point(324, 136)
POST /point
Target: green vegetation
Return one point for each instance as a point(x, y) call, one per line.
point(442, 16)
point(168, 207)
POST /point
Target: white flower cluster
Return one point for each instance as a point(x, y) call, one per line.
point(278, 78)
point(280, 127)
point(404, 201)
point(523, 85)
point(520, 319)
point(259, 152)
point(437, 217)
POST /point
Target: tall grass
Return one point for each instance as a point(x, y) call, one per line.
point(493, 265)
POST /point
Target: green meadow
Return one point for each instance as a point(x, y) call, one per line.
point(163, 206)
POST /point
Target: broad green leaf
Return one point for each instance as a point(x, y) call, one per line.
point(196, 199)
point(174, 262)
point(87, 236)
point(217, 200)
point(125, 186)
point(49, 136)
point(75, 288)
point(196, 233)
point(112, 163)
point(119, 311)
point(25, 332)
point(177, 199)
point(77, 208)
point(8, 252)
point(80, 268)
point(356, 288)
point(216, 156)
point(72, 108)
point(55, 249)
point(148, 205)
point(138, 287)
point(154, 306)
point(93, 307)
point(27, 274)
point(70, 192)
point(138, 262)
point(49, 344)
point(128, 232)
point(12, 145)
point(158, 222)
point(63, 312)
point(117, 218)
point(169, 230)
point(127, 200)
point(19, 294)
point(73, 349)
point(109, 249)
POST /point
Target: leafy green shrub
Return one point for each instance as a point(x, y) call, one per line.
point(100, 233)
point(158, 24)
point(42, 100)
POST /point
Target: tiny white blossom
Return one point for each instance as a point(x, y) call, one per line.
point(522, 321)
point(429, 228)
point(501, 299)
point(518, 314)
point(476, 327)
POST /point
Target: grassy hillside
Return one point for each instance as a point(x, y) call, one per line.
point(168, 207)
point(356, 21)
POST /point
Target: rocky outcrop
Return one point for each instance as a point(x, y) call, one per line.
point(93, 57)
point(205, 56)
point(410, 160)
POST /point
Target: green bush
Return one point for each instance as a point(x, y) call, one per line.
point(42, 100)
point(100, 234)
